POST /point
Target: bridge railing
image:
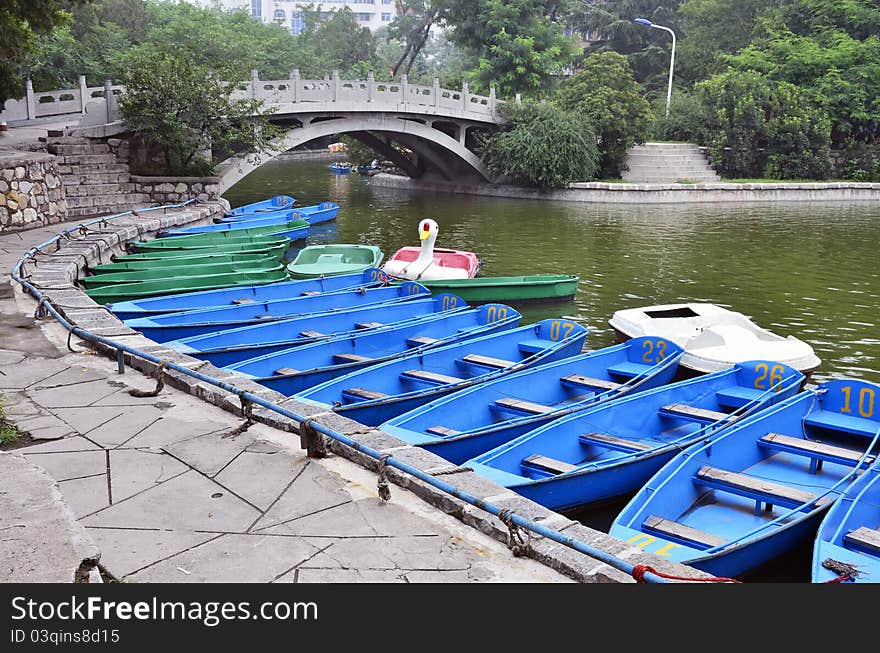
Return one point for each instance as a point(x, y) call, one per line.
point(384, 95)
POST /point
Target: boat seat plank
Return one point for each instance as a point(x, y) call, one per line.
point(819, 450)
point(756, 488)
point(265, 316)
point(693, 412)
point(421, 340)
point(839, 422)
point(546, 464)
point(589, 382)
point(612, 442)
point(311, 334)
point(364, 393)
point(682, 531)
point(441, 430)
point(488, 361)
point(864, 538)
point(628, 369)
point(433, 377)
point(351, 358)
point(524, 406)
point(368, 325)
point(309, 293)
point(283, 371)
point(243, 300)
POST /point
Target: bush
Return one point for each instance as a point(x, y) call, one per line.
point(543, 146)
point(861, 161)
point(686, 122)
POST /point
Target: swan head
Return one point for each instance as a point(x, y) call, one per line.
point(428, 228)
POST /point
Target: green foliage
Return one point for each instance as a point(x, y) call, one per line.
point(337, 43)
point(609, 98)
point(686, 122)
point(861, 161)
point(185, 107)
point(543, 145)
point(8, 432)
point(760, 128)
point(358, 153)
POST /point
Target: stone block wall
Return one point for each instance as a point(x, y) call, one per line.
point(31, 190)
point(168, 190)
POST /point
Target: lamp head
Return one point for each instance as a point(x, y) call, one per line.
point(643, 21)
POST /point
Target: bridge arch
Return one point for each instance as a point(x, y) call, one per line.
point(434, 145)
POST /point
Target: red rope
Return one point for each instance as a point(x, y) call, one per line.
point(840, 579)
point(639, 572)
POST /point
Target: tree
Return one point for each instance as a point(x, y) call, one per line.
point(542, 145)
point(338, 42)
point(184, 107)
point(21, 21)
point(608, 96)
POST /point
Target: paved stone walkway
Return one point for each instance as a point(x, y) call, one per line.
point(170, 493)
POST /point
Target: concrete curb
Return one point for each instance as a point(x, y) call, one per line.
point(54, 274)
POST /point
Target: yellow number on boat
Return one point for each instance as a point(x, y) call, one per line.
point(664, 550)
point(375, 274)
point(496, 313)
point(557, 328)
point(776, 377)
point(866, 401)
point(762, 370)
point(449, 301)
point(650, 346)
point(641, 540)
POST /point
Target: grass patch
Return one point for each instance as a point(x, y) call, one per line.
point(9, 434)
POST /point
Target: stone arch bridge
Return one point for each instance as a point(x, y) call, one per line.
point(420, 129)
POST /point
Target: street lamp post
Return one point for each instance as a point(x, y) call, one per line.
point(645, 21)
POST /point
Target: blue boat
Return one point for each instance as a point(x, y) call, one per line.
point(290, 224)
point(370, 278)
point(377, 393)
point(341, 167)
point(847, 546)
point(611, 450)
point(467, 423)
point(732, 504)
point(314, 214)
point(224, 348)
point(173, 326)
point(276, 203)
point(296, 369)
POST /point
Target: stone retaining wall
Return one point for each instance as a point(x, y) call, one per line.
point(56, 274)
point(671, 193)
point(169, 190)
point(31, 191)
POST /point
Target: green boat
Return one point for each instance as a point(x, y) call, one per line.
point(176, 273)
point(230, 236)
point(276, 248)
point(534, 288)
point(199, 264)
point(331, 260)
point(123, 292)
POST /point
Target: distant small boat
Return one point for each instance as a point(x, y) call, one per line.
point(730, 505)
point(184, 257)
point(123, 292)
point(847, 546)
point(296, 369)
point(209, 243)
point(368, 169)
point(470, 422)
point(230, 346)
point(237, 295)
point(523, 289)
point(330, 260)
point(429, 263)
point(713, 337)
point(314, 214)
point(173, 326)
point(340, 167)
point(173, 267)
point(612, 449)
point(288, 223)
point(276, 203)
point(375, 394)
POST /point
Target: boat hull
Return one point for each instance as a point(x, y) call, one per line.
point(331, 260)
point(523, 289)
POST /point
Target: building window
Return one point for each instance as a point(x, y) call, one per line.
point(279, 14)
point(365, 18)
point(386, 17)
point(386, 2)
point(256, 9)
point(297, 24)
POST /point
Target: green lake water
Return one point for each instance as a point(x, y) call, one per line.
point(804, 269)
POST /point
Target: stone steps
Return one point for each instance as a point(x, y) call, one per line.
point(667, 163)
point(82, 190)
point(86, 159)
point(105, 200)
point(67, 150)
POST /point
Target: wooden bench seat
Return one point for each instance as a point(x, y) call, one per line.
point(682, 532)
point(754, 488)
point(364, 393)
point(368, 325)
point(264, 316)
point(695, 413)
point(441, 430)
point(488, 361)
point(416, 341)
point(867, 539)
point(611, 442)
point(524, 406)
point(285, 371)
point(433, 377)
point(546, 464)
point(243, 300)
point(311, 334)
point(351, 358)
point(818, 452)
point(309, 293)
point(589, 382)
